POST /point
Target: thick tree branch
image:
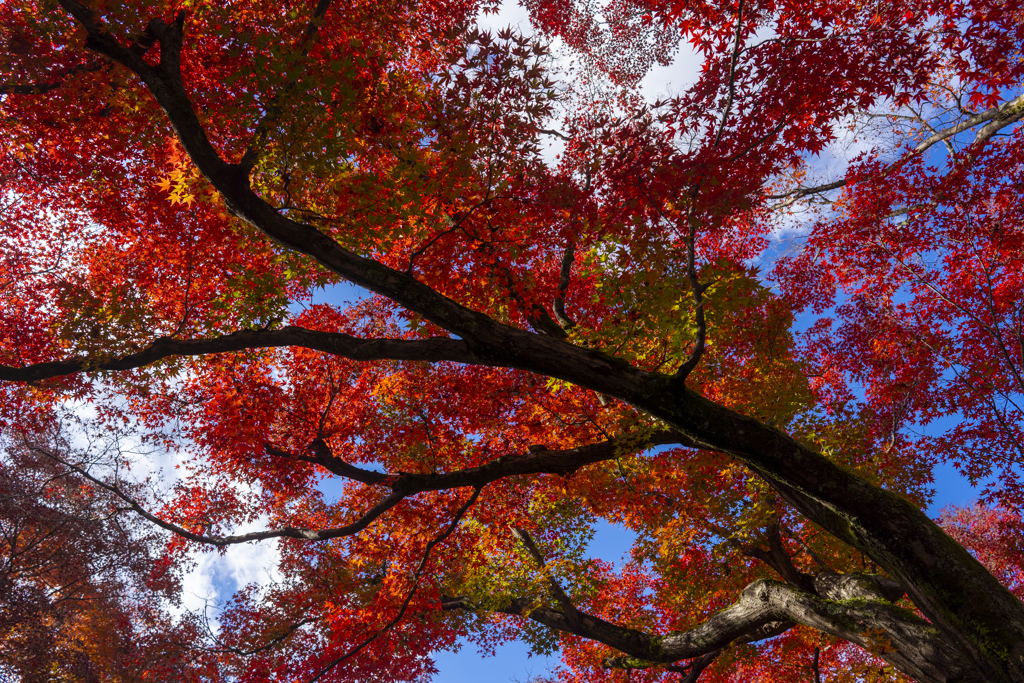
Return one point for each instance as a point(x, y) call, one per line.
point(995, 119)
point(777, 558)
point(749, 616)
point(165, 84)
point(949, 586)
point(765, 609)
point(335, 343)
point(833, 586)
point(536, 461)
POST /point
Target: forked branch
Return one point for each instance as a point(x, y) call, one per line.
point(765, 609)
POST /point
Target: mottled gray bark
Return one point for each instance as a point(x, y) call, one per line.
point(851, 607)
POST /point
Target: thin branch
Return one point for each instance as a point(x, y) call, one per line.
point(331, 396)
point(274, 109)
point(758, 142)
point(408, 598)
point(536, 461)
point(997, 118)
point(813, 555)
point(220, 541)
point(697, 290)
point(572, 614)
point(546, 131)
point(269, 645)
point(763, 610)
point(694, 669)
point(732, 74)
point(792, 196)
point(47, 86)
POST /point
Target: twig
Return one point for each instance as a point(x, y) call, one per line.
point(285, 532)
point(572, 614)
point(408, 599)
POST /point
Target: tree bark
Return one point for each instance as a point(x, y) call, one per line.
point(849, 609)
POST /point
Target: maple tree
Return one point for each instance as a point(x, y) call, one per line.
point(180, 180)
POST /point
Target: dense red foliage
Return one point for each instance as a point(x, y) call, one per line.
point(891, 338)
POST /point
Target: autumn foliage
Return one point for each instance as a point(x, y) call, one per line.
point(571, 305)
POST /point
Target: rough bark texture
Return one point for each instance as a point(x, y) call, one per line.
point(848, 606)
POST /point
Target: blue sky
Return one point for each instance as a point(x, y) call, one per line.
point(512, 661)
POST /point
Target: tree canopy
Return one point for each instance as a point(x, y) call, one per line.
point(680, 321)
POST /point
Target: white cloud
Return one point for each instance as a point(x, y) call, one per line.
point(510, 13)
point(215, 576)
point(662, 81)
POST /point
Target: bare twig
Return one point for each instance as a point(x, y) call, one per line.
point(995, 119)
